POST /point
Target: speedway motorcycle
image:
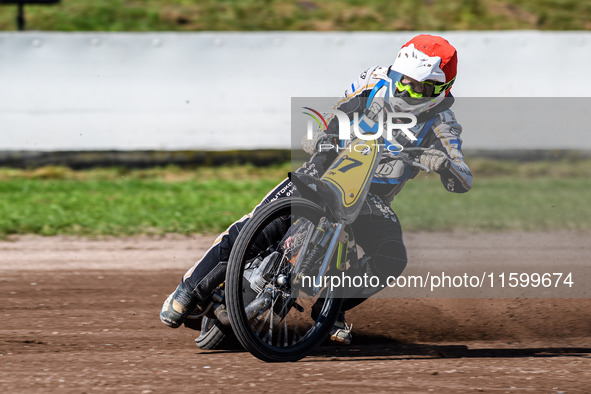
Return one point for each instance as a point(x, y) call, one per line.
point(275, 297)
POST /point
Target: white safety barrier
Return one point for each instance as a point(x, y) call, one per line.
point(230, 90)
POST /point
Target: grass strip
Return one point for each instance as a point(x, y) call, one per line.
point(305, 15)
point(115, 201)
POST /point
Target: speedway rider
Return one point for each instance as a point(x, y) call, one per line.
point(418, 83)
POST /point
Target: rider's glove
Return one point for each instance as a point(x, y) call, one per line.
point(434, 160)
point(321, 141)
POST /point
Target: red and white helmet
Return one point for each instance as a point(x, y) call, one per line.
point(429, 61)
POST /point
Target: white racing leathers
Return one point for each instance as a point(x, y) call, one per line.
point(371, 99)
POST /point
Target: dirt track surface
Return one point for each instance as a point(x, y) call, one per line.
point(82, 316)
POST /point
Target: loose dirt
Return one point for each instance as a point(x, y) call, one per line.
point(81, 315)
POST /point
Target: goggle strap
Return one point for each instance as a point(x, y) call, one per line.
point(443, 87)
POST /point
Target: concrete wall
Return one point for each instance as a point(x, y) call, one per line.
point(219, 91)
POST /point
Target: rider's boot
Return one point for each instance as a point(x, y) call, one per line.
point(341, 332)
point(178, 306)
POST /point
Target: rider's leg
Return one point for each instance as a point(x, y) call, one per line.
point(209, 272)
point(377, 230)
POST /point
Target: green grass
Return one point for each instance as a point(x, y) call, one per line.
point(133, 206)
point(347, 15)
point(502, 203)
point(117, 201)
point(56, 200)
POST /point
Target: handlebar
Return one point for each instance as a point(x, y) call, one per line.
point(410, 155)
point(416, 164)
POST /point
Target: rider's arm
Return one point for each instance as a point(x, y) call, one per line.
point(457, 178)
point(352, 100)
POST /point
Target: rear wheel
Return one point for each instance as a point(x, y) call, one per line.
point(213, 334)
point(272, 317)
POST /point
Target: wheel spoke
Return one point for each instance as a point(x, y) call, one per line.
point(270, 341)
point(296, 332)
point(281, 328)
point(285, 332)
point(263, 322)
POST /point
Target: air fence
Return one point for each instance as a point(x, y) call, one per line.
point(231, 91)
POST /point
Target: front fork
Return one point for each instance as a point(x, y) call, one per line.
point(326, 238)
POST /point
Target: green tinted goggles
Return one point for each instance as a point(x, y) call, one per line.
point(423, 89)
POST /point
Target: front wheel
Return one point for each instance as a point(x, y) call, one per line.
point(270, 316)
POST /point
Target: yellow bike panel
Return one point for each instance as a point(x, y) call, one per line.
point(352, 170)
